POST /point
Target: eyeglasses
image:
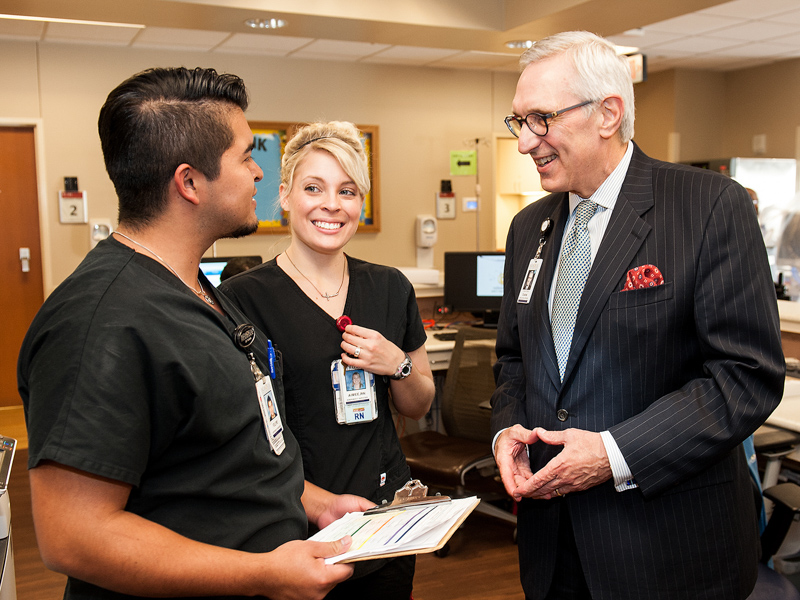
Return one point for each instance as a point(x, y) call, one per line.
point(537, 122)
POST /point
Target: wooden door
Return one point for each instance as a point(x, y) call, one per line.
point(21, 293)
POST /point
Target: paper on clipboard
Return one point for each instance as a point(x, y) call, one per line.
point(408, 530)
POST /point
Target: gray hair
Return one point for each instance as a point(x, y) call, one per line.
point(601, 72)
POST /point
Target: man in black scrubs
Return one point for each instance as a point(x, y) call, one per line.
point(155, 468)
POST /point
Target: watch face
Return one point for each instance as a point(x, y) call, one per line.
point(404, 370)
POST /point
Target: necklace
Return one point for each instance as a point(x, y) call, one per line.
point(326, 296)
point(201, 293)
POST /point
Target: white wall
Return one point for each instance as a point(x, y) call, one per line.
point(423, 114)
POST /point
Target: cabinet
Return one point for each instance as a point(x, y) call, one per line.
point(517, 185)
point(516, 173)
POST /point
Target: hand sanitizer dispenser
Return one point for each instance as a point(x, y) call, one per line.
point(426, 232)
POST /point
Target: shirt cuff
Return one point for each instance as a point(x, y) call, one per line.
point(623, 478)
point(494, 441)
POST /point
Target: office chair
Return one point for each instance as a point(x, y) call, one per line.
point(771, 585)
point(8, 583)
point(782, 501)
point(462, 460)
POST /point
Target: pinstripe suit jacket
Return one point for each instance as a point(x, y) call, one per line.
point(680, 374)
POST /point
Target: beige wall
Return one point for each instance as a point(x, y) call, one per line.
point(655, 113)
point(717, 114)
point(687, 103)
point(763, 100)
point(699, 113)
point(423, 114)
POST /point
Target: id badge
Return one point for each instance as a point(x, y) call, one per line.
point(354, 397)
point(270, 414)
point(529, 282)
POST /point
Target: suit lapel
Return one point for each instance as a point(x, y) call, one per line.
point(624, 236)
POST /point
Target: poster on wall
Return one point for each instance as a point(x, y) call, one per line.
point(269, 143)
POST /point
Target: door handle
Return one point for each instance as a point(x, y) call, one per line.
point(25, 259)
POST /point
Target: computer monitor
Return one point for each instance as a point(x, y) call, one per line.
point(212, 266)
point(473, 282)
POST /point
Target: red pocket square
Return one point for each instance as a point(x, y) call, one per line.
point(643, 277)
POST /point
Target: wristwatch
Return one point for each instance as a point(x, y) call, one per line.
point(404, 370)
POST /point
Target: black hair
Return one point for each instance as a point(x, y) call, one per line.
point(158, 119)
point(238, 264)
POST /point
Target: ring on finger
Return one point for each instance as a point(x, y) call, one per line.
point(357, 353)
point(559, 494)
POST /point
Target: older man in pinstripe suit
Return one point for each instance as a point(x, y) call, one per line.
point(647, 351)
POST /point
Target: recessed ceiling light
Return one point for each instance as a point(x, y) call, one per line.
point(73, 21)
point(519, 44)
point(266, 23)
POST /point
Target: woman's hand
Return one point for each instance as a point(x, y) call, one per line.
point(368, 349)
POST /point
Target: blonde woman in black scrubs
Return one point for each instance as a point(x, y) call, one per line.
point(297, 299)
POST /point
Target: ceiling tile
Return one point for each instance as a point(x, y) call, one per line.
point(410, 55)
point(338, 50)
point(21, 30)
point(754, 31)
point(693, 24)
point(89, 34)
point(695, 44)
point(187, 39)
point(480, 60)
point(791, 41)
point(792, 17)
point(749, 9)
point(272, 45)
point(740, 32)
point(648, 39)
point(755, 50)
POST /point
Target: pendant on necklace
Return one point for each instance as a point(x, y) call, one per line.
point(208, 299)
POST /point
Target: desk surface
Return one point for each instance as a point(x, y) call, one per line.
point(439, 351)
point(787, 415)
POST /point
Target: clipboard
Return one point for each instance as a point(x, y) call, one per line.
point(412, 524)
point(442, 541)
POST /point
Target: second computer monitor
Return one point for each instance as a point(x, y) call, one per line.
point(473, 282)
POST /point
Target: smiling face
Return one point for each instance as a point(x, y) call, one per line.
point(570, 157)
point(324, 203)
point(234, 205)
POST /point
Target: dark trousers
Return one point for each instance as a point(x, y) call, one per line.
point(569, 582)
point(393, 581)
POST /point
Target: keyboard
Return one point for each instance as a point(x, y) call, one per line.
point(445, 336)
